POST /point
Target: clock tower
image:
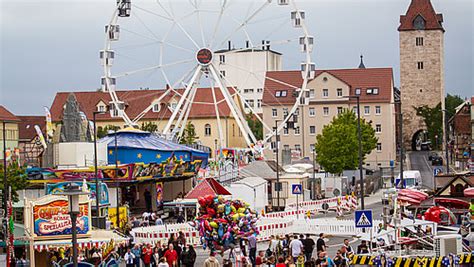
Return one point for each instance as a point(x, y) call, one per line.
point(421, 36)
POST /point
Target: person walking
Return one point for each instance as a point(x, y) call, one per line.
point(348, 247)
point(171, 256)
point(308, 245)
point(147, 255)
point(320, 244)
point(296, 247)
point(252, 240)
point(212, 261)
point(138, 253)
point(129, 258)
point(188, 257)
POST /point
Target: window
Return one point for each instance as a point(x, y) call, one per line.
point(115, 112)
point(325, 92)
point(286, 147)
point(311, 147)
point(156, 108)
point(285, 131)
point(379, 147)
point(378, 110)
point(222, 59)
point(101, 108)
point(367, 110)
point(248, 90)
point(223, 73)
point(375, 91)
point(339, 110)
point(298, 147)
point(326, 111)
point(274, 112)
point(311, 93)
point(312, 112)
point(312, 130)
point(251, 103)
point(339, 92)
point(378, 128)
point(259, 103)
point(284, 93)
point(419, 41)
point(259, 90)
point(281, 93)
point(207, 129)
point(285, 112)
point(420, 65)
point(357, 91)
point(297, 130)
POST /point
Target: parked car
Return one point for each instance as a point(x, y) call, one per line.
point(436, 161)
point(426, 146)
point(431, 155)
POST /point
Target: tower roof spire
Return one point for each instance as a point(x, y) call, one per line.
point(421, 16)
point(361, 64)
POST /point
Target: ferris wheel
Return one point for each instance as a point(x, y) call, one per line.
point(182, 46)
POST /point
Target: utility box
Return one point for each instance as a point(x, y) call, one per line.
point(336, 186)
point(448, 244)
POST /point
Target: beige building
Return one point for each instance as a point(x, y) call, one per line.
point(10, 122)
point(328, 96)
point(421, 65)
point(202, 116)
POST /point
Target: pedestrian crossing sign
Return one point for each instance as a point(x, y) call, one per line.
point(296, 189)
point(363, 218)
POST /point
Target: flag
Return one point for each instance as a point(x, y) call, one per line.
point(40, 135)
point(49, 124)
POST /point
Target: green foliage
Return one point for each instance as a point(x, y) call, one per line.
point(149, 127)
point(255, 126)
point(189, 134)
point(16, 177)
point(337, 146)
point(451, 102)
point(433, 118)
point(101, 132)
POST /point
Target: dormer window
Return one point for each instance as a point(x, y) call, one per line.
point(357, 91)
point(156, 107)
point(419, 23)
point(101, 107)
point(283, 93)
point(172, 106)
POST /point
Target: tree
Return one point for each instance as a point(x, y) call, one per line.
point(451, 102)
point(149, 127)
point(433, 119)
point(255, 126)
point(189, 134)
point(337, 146)
point(101, 132)
point(16, 178)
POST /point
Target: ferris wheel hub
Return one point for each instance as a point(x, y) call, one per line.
point(204, 56)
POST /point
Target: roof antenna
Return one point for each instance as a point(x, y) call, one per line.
point(361, 65)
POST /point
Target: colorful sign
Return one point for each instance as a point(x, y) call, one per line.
point(123, 216)
point(57, 188)
point(159, 196)
point(52, 218)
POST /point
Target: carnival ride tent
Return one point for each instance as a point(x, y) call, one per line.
point(139, 146)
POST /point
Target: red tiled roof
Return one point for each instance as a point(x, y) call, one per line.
point(425, 9)
point(6, 115)
point(207, 187)
point(137, 101)
point(26, 128)
point(381, 78)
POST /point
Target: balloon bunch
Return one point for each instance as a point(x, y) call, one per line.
point(222, 222)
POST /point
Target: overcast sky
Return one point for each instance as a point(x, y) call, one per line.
point(51, 46)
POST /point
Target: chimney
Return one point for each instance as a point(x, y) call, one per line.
point(268, 45)
point(230, 45)
point(247, 43)
point(263, 44)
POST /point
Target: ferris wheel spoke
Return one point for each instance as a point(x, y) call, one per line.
point(153, 13)
point(177, 23)
point(216, 26)
point(245, 22)
point(201, 29)
point(153, 68)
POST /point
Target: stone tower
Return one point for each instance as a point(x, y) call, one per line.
point(421, 36)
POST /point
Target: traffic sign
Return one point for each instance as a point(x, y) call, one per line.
point(297, 189)
point(363, 218)
point(436, 171)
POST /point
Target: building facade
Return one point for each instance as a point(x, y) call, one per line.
point(328, 96)
point(421, 66)
point(9, 126)
point(245, 69)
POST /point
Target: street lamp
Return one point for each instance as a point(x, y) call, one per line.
point(73, 192)
point(360, 152)
point(97, 188)
point(278, 185)
point(116, 176)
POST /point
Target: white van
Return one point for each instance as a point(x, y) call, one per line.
point(412, 179)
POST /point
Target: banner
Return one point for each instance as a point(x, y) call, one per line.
point(49, 124)
point(123, 216)
point(57, 188)
point(159, 195)
point(53, 219)
point(41, 137)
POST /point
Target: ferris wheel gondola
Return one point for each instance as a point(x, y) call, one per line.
point(184, 47)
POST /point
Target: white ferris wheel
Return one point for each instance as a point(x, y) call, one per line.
point(176, 44)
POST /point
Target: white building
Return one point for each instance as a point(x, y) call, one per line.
point(245, 69)
point(252, 190)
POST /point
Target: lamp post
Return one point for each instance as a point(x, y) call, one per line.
point(5, 180)
point(97, 188)
point(277, 143)
point(359, 135)
point(313, 192)
point(73, 192)
point(116, 177)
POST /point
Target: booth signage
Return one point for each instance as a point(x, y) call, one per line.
point(58, 188)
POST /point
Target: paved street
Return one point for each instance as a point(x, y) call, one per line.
point(419, 161)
